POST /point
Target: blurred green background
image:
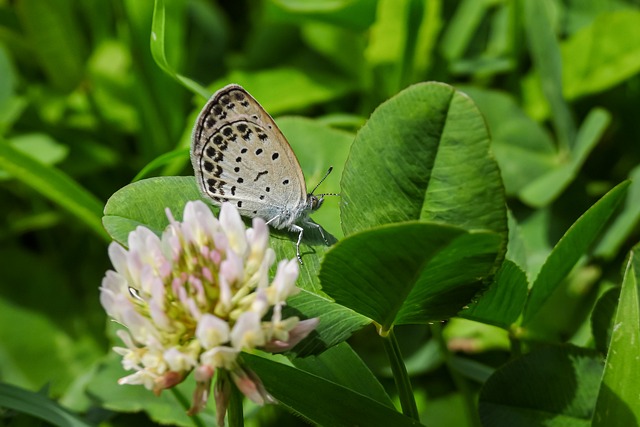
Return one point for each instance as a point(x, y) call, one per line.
point(84, 107)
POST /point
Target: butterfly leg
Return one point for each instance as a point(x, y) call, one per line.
point(319, 227)
point(299, 229)
point(273, 219)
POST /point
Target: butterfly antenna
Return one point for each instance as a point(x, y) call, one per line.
point(323, 178)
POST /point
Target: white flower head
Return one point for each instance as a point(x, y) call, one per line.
point(195, 298)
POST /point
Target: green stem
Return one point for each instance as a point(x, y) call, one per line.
point(197, 420)
point(458, 380)
point(236, 415)
point(403, 383)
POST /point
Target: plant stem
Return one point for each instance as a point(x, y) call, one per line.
point(197, 420)
point(403, 383)
point(236, 415)
point(458, 380)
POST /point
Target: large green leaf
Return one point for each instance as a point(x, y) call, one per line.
point(570, 248)
point(548, 187)
point(423, 154)
point(602, 319)
point(144, 203)
point(613, 57)
point(522, 148)
point(408, 273)
point(617, 403)
point(502, 303)
point(322, 401)
point(551, 386)
point(341, 365)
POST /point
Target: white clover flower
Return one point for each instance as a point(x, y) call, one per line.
point(197, 297)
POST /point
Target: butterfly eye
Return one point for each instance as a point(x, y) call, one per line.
point(316, 202)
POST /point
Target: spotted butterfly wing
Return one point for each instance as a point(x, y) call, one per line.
point(240, 156)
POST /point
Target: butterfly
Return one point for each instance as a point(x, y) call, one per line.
point(240, 156)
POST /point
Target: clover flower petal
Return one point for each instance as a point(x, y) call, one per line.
point(197, 296)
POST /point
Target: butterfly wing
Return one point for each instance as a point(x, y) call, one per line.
point(240, 156)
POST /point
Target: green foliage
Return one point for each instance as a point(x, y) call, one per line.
point(487, 184)
point(560, 391)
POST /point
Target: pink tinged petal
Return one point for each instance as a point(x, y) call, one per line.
point(182, 296)
point(222, 393)
point(258, 239)
point(220, 357)
point(147, 277)
point(204, 251)
point(113, 290)
point(297, 334)
point(170, 216)
point(192, 306)
point(232, 268)
point(200, 220)
point(251, 386)
point(167, 380)
point(224, 300)
point(263, 271)
point(165, 267)
point(173, 244)
point(177, 283)
point(247, 332)
point(233, 227)
point(203, 375)
point(147, 249)
point(220, 241)
point(141, 240)
point(142, 330)
point(215, 257)
point(117, 306)
point(118, 256)
point(115, 283)
point(212, 331)
point(284, 284)
point(197, 287)
point(157, 289)
point(259, 235)
point(158, 315)
point(206, 273)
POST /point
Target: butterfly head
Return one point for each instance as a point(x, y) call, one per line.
point(314, 202)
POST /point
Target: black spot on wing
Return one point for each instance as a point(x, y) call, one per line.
point(260, 174)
